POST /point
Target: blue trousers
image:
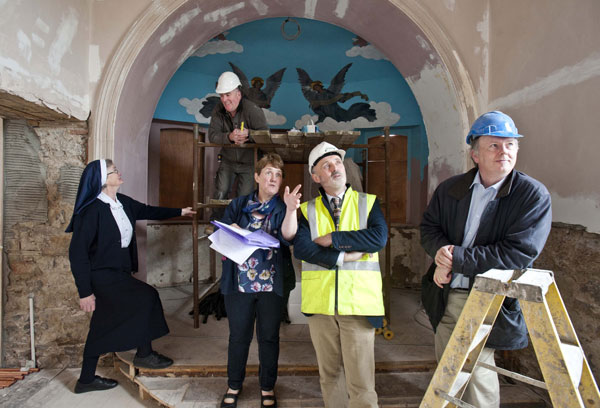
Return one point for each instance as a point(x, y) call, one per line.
point(242, 310)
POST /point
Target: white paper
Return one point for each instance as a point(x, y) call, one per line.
point(232, 248)
point(258, 238)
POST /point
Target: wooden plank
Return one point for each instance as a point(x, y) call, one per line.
point(313, 138)
point(332, 137)
point(260, 136)
point(16, 376)
point(349, 138)
point(296, 137)
point(279, 138)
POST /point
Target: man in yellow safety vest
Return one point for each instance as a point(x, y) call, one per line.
point(338, 239)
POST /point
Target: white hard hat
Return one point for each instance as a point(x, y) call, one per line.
point(321, 150)
point(228, 81)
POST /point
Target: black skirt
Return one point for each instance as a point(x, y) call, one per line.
point(128, 313)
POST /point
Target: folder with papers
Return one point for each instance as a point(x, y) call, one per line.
point(238, 244)
point(258, 238)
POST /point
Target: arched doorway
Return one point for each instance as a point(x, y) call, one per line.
point(165, 36)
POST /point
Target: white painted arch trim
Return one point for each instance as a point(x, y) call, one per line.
point(104, 113)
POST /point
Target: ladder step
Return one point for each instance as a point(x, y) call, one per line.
point(532, 285)
point(574, 360)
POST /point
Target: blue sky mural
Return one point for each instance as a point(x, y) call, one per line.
point(320, 50)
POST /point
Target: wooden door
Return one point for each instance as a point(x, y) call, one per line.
point(294, 175)
point(398, 174)
point(176, 168)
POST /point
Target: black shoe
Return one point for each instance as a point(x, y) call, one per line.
point(99, 384)
point(229, 395)
point(270, 398)
point(153, 361)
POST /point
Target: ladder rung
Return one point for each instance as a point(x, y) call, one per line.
point(455, 401)
point(573, 356)
point(516, 376)
point(212, 205)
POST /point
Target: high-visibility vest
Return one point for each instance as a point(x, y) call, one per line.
point(359, 282)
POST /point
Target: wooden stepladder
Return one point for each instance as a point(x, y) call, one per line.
point(567, 375)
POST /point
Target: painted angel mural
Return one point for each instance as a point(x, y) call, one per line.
point(255, 91)
point(324, 102)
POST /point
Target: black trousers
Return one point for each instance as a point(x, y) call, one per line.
point(242, 310)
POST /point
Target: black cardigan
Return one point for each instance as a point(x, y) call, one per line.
point(96, 241)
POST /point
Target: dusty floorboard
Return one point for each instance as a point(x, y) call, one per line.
point(52, 388)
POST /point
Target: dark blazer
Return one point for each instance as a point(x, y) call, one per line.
point(96, 241)
point(369, 240)
point(285, 280)
point(512, 233)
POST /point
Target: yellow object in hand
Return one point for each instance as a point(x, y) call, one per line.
point(242, 127)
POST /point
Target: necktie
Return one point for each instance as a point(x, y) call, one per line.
point(337, 211)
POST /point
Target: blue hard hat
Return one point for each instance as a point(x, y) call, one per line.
point(494, 123)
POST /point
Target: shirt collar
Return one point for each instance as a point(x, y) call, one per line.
point(477, 180)
point(114, 204)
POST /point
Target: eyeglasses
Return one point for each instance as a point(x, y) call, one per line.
point(111, 172)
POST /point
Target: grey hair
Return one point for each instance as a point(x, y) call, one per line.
point(109, 163)
point(475, 148)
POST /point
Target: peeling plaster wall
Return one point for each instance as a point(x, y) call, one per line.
point(194, 23)
point(170, 256)
point(44, 53)
point(467, 25)
point(542, 68)
point(110, 21)
point(545, 73)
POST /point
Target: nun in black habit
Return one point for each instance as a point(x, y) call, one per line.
point(127, 313)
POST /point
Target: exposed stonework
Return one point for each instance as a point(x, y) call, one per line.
point(408, 257)
point(571, 253)
point(37, 262)
point(574, 256)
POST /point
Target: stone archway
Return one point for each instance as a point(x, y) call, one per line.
point(166, 35)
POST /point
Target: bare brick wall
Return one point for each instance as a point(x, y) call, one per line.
point(36, 246)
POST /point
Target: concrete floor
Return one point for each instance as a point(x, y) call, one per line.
point(207, 345)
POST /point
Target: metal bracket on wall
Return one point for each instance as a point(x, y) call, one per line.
point(286, 35)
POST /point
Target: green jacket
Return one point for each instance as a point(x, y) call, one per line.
point(222, 124)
